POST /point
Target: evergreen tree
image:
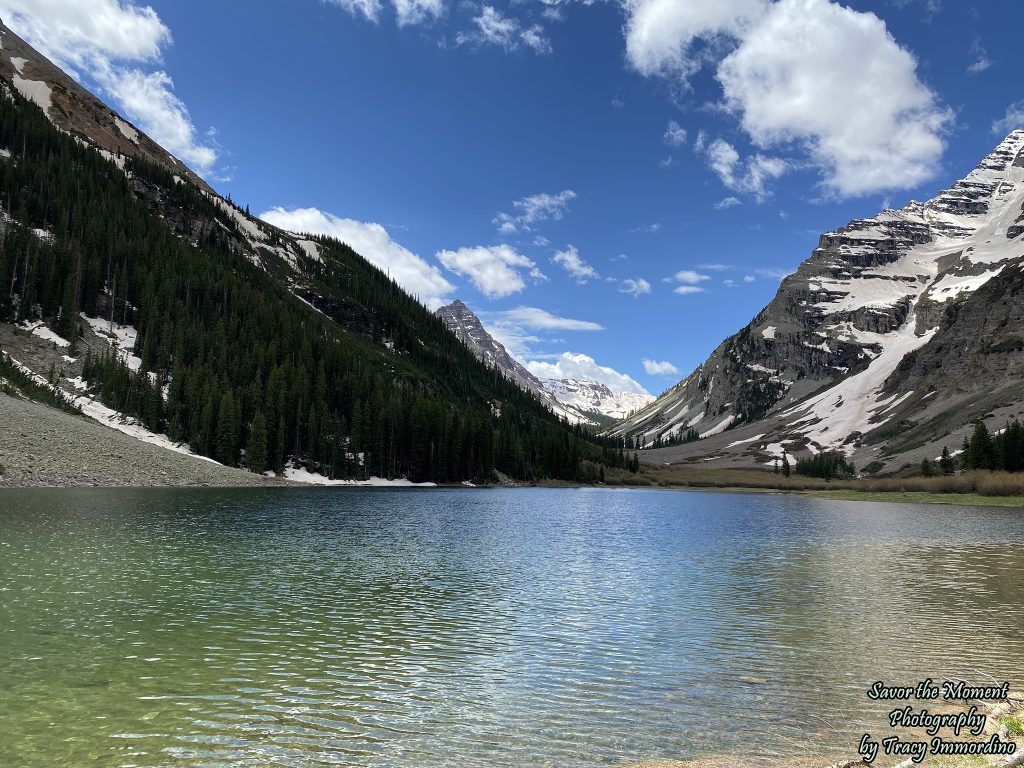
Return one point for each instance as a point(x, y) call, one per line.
point(946, 462)
point(256, 452)
point(227, 431)
point(980, 454)
point(785, 466)
point(926, 467)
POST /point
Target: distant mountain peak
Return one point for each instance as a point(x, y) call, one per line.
point(576, 400)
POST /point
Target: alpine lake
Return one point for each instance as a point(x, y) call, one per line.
point(483, 627)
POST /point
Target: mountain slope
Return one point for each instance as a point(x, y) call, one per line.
point(576, 400)
point(830, 362)
point(76, 111)
point(171, 307)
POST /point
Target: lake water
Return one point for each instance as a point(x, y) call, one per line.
point(533, 627)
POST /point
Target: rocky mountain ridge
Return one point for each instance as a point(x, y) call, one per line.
point(578, 401)
point(817, 368)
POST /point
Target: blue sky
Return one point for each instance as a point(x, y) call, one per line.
point(614, 187)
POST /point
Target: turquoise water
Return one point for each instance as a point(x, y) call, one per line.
point(533, 627)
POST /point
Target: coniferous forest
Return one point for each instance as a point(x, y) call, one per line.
point(365, 382)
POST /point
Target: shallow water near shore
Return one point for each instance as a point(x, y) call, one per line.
point(482, 627)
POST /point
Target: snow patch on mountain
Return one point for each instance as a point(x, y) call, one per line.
point(126, 130)
point(596, 397)
point(850, 407)
point(871, 293)
point(120, 337)
point(34, 90)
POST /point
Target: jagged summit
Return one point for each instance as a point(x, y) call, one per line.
point(578, 401)
point(813, 370)
point(467, 326)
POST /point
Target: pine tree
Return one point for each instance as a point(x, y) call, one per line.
point(785, 466)
point(946, 462)
point(227, 431)
point(256, 451)
point(926, 467)
point(981, 454)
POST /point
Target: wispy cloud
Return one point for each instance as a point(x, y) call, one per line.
point(650, 229)
point(532, 210)
point(659, 367)
point(675, 134)
point(980, 60)
point(570, 260)
point(635, 287)
point(751, 176)
point(541, 319)
point(1011, 121)
point(492, 27)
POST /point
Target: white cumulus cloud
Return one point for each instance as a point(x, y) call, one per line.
point(689, 277)
point(659, 367)
point(575, 365)
point(115, 44)
point(496, 270)
point(813, 75)
point(661, 34)
point(373, 243)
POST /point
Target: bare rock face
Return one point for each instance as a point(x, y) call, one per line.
point(828, 363)
point(461, 321)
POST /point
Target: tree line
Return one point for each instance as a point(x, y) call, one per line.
point(231, 363)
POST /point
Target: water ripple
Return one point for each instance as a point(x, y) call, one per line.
point(476, 628)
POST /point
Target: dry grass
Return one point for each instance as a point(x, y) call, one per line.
point(978, 482)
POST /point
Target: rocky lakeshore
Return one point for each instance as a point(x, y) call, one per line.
point(45, 447)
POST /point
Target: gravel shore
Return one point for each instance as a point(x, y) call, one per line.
point(42, 446)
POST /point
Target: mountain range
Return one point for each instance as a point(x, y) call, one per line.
point(887, 343)
point(168, 312)
point(579, 401)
